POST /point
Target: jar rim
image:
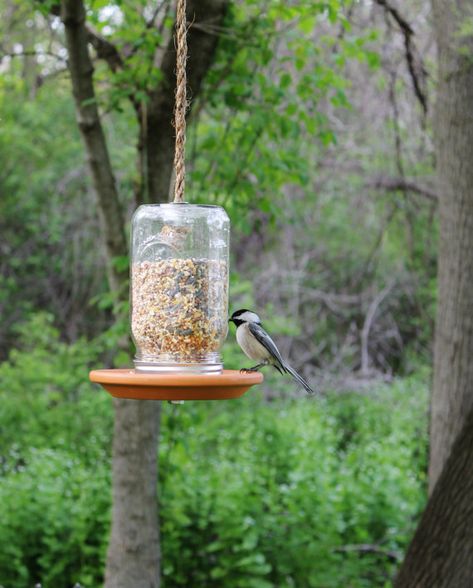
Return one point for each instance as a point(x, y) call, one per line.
point(190, 204)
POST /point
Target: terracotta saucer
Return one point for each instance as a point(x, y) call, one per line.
point(128, 383)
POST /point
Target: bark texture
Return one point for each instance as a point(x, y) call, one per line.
point(452, 396)
point(440, 553)
point(133, 554)
point(88, 120)
point(206, 17)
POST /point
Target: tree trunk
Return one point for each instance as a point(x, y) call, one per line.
point(90, 126)
point(133, 554)
point(452, 396)
point(440, 553)
point(204, 15)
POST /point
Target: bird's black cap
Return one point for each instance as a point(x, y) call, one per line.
point(238, 313)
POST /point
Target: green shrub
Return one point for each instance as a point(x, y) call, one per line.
point(46, 399)
point(257, 494)
point(55, 437)
point(55, 521)
point(253, 494)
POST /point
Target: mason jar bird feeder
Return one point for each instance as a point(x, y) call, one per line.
point(178, 289)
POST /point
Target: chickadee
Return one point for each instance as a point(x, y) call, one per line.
point(258, 345)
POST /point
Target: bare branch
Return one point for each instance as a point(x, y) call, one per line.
point(88, 120)
point(104, 48)
point(392, 184)
point(32, 53)
point(151, 22)
point(44, 77)
point(394, 556)
point(415, 65)
point(370, 315)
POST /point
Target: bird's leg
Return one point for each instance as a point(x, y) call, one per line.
point(252, 369)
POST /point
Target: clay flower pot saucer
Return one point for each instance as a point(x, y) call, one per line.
point(128, 383)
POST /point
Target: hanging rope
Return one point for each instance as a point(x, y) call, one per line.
point(181, 102)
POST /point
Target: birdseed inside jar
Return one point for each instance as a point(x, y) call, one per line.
point(179, 308)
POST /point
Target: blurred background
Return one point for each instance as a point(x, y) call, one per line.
point(311, 125)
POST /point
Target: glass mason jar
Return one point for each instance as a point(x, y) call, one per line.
point(179, 287)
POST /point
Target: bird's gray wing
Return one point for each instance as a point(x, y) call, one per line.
point(262, 337)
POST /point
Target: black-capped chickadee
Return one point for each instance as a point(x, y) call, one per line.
point(258, 345)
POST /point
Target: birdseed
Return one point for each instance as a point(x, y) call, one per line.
point(179, 308)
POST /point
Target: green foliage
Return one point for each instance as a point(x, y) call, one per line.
point(55, 520)
point(260, 495)
point(252, 493)
point(46, 400)
point(48, 222)
point(55, 437)
point(280, 98)
point(260, 107)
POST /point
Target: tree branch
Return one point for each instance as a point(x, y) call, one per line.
point(159, 131)
point(32, 53)
point(393, 184)
point(104, 48)
point(156, 141)
point(365, 333)
point(415, 66)
point(133, 555)
point(88, 120)
point(151, 22)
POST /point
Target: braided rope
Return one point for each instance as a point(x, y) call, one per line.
point(181, 102)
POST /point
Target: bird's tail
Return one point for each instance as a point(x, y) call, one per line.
point(298, 378)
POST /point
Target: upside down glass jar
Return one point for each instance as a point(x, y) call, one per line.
point(179, 287)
